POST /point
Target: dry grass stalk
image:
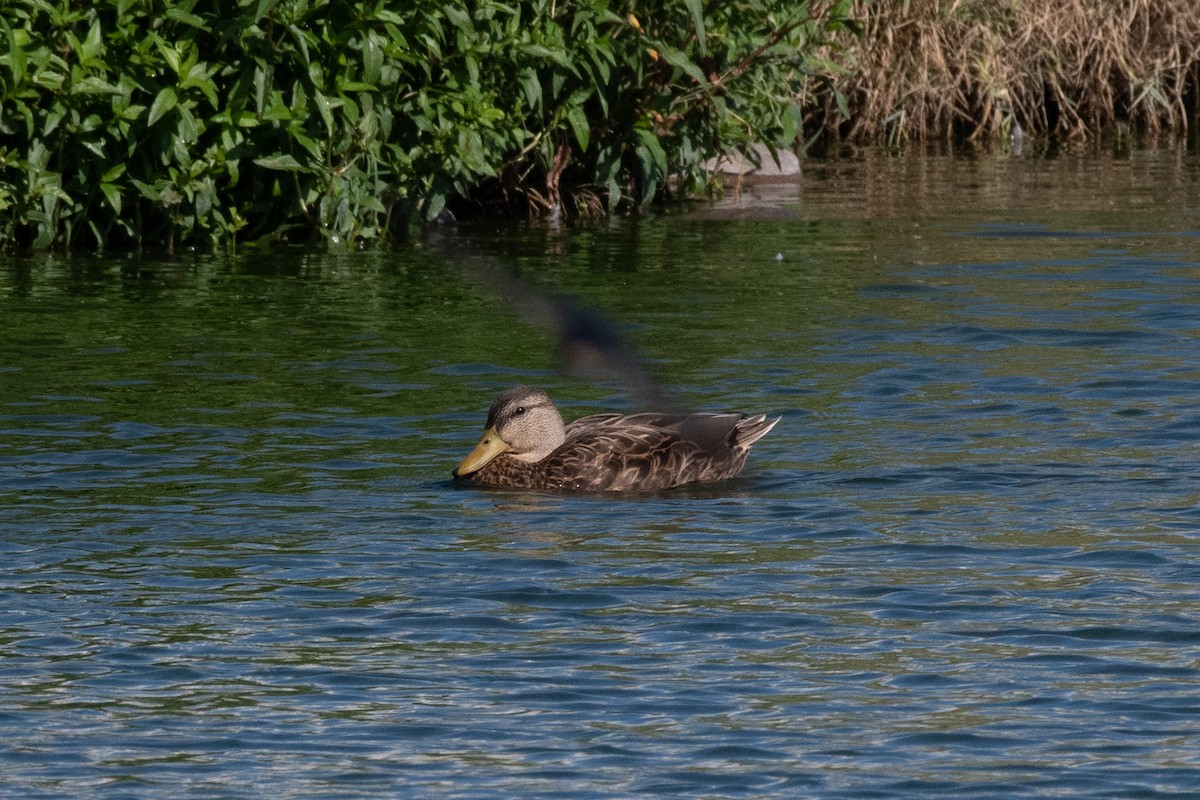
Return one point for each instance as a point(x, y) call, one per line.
point(939, 69)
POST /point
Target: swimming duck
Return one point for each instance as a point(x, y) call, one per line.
point(526, 445)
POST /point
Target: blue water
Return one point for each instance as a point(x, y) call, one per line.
point(964, 565)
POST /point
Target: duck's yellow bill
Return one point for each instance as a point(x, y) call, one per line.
point(490, 446)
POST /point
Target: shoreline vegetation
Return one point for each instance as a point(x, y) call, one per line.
point(213, 124)
point(977, 70)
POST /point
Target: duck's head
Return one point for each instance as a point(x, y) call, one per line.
point(524, 423)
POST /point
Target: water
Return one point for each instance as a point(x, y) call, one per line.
point(964, 564)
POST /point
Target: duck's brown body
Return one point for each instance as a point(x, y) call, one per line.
point(526, 446)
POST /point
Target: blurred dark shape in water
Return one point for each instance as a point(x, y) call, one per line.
point(589, 344)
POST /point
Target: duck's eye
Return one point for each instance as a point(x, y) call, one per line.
point(520, 410)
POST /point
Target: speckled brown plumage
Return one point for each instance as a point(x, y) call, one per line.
point(608, 452)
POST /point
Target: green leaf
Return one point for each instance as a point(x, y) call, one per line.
point(791, 125)
point(459, 18)
point(651, 144)
point(301, 38)
point(435, 204)
point(186, 17)
point(383, 15)
point(652, 160)
point(608, 164)
point(324, 109)
point(697, 12)
point(308, 143)
point(198, 78)
point(113, 195)
point(49, 78)
point(278, 110)
point(16, 52)
point(52, 119)
point(169, 53)
point(679, 59)
point(264, 8)
point(163, 103)
point(93, 85)
point(285, 163)
point(579, 125)
point(91, 46)
point(45, 234)
point(372, 59)
point(260, 88)
point(470, 146)
point(188, 130)
point(146, 190)
point(532, 88)
point(204, 198)
point(559, 57)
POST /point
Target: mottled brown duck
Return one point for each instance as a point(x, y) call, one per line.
point(526, 445)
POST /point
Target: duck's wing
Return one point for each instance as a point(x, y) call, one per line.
point(645, 451)
point(612, 453)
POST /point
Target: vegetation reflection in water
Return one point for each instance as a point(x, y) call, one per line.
point(963, 563)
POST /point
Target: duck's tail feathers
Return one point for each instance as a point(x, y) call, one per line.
point(751, 429)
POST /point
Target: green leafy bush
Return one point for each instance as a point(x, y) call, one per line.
point(201, 123)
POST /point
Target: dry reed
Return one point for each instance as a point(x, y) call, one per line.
point(943, 69)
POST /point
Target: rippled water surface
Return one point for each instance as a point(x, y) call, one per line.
point(964, 565)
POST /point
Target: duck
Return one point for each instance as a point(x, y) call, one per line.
point(527, 445)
